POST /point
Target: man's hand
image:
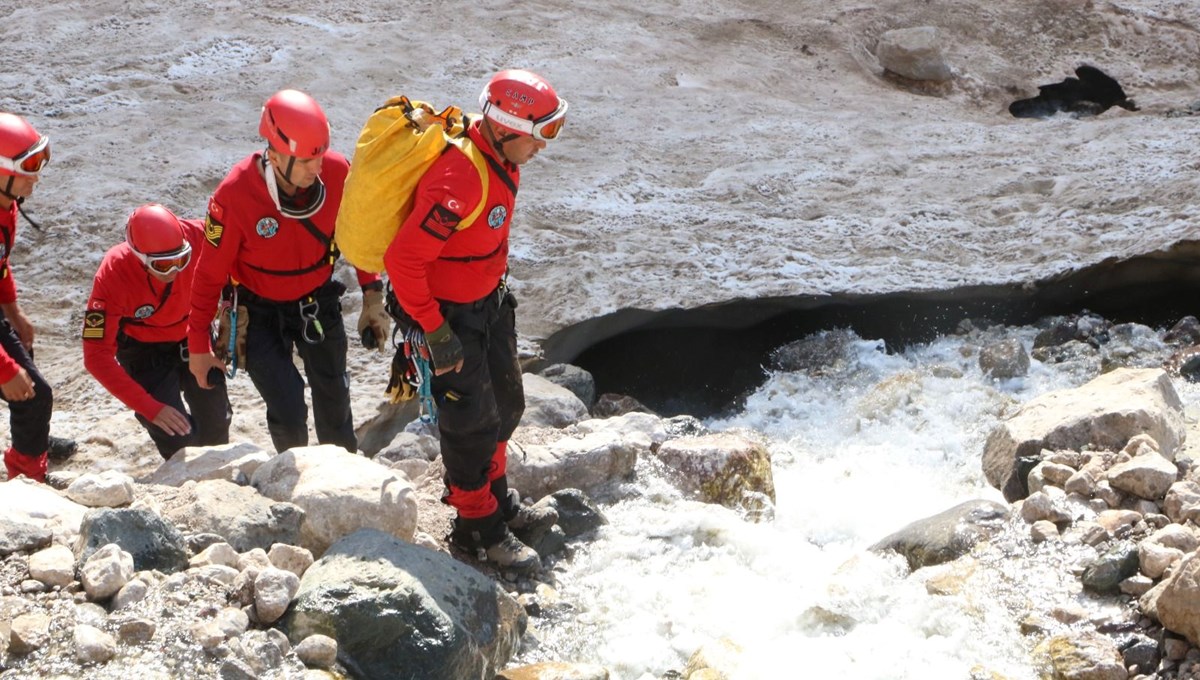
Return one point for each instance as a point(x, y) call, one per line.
point(374, 323)
point(171, 421)
point(201, 364)
point(445, 349)
point(19, 387)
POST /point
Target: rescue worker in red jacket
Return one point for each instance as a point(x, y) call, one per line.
point(270, 227)
point(448, 278)
point(23, 154)
point(135, 328)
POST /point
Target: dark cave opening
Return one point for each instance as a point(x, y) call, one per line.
point(703, 361)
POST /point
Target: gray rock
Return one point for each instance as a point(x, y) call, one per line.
point(1105, 573)
point(18, 536)
point(573, 378)
point(947, 535)
point(153, 543)
point(391, 604)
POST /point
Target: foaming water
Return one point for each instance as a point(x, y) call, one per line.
point(859, 451)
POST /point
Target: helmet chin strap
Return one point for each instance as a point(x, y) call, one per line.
point(499, 142)
point(7, 191)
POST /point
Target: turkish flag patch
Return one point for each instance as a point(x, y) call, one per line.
point(93, 325)
point(440, 222)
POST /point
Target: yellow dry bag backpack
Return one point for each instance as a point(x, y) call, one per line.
point(399, 142)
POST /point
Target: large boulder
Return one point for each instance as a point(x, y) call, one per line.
point(340, 493)
point(724, 468)
point(231, 462)
point(947, 535)
point(152, 542)
point(392, 605)
point(1104, 414)
point(550, 405)
point(244, 517)
point(542, 461)
point(1178, 599)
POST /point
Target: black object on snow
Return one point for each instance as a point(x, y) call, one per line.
point(1092, 93)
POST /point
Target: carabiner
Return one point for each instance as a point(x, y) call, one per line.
point(308, 314)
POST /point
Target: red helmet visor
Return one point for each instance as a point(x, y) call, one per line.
point(30, 161)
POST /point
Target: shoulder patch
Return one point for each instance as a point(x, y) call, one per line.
point(93, 324)
point(440, 222)
point(213, 230)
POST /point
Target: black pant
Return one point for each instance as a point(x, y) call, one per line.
point(29, 420)
point(161, 369)
point(275, 330)
point(481, 404)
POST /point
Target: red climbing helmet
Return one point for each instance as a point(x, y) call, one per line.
point(294, 124)
point(22, 150)
point(523, 103)
point(156, 237)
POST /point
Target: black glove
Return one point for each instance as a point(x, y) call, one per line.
point(445, 350)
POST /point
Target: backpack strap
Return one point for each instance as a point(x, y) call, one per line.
point(327, 259)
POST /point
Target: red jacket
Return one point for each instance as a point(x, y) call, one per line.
point(245, 230)
point(125, 297)
point(429, 260)
point(8, 286)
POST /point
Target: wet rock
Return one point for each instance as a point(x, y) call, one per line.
point(1105, 573)
point(577, 514)
point(391, 604)
point(947, 535)
point(1004, 360)
point(724, 468)
point(827, 352)
point(1184, 333)
point(1080, 655)
point(553, 670)
point(542, 460)
point(609, 405)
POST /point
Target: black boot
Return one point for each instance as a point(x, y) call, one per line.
point(534, 519)
point(60, 448)
point(491, 536)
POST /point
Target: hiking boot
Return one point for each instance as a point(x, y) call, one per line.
point(511, 553)
point(61, 448)
point(490, 538)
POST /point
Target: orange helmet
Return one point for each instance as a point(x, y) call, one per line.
point(294, 124)
point(22, 150)
point(523, 103)
point(155, 235)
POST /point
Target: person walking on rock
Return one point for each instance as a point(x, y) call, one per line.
point(135, 328)
point(448, 278)
point(269, 232)
point(23, 154)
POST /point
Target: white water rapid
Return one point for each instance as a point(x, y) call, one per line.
point(858, 453)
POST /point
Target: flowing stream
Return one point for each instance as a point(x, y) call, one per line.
point(860, 449)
